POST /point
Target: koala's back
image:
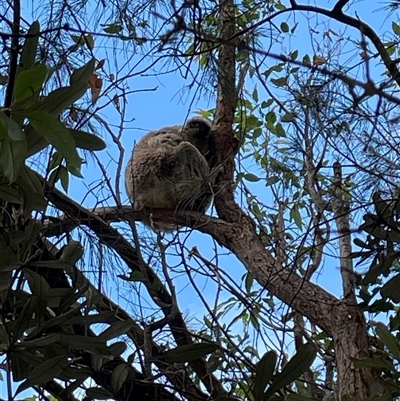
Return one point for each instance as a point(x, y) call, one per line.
point(167, 172)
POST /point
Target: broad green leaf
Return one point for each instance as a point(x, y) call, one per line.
point(249, 280)
point(9, 193)
point(39, 342)
point(61, 98)
point(251, 177)
point(29, 82)
point(64, 178)
point(57, 135)
point(299, 364)
point(87, 141)
point(82, 74)
point(12, 158)
point(118, 348)
point(30, 198)
point(388, 339)
point(13, 148)
point(284, 27)
point(11, 128)
point(264, 371)
point(118, 376)
point(116, 329)
point(391, 289)
point(189, 352)
point(20, 367)
point(396, 28)
point(45, 372)
point(38, 284)
point(93, 345)
point(294, 54)
point(35, 142)
point(29, 48)
point(296, 217)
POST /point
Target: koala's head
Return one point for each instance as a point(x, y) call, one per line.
point(197, 131)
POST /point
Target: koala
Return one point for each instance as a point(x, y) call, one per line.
point(197, 131)
point(170, 168)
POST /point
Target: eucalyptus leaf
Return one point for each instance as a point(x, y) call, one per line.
point(56, 134)
point(299, 364)
point(118, 376)
point(189, 352)
point(29, 48)
point(264, 370)
point(391, 289)
point(87, 141)
point(388, 339)
point(29, 82)
point(82, 74)
point(116, 329)
point(45, 372)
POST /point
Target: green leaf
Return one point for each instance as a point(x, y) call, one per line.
point(279, 81)
point(249, 280)
point(116, 329)
point(56, 134)
point(251, 177)
point(391, 289)
point(45, 372)
point(82, 74)
point(388, 339)
point(10, 194)
point(93, 345)
point(294, 55)
point(118, 376)
point(264, 370)
point(39, 342)
point(189, 352)
point(61, 98)
point(296, 217)
point(13, 148)
point(307, 60)
point(299, 364)
point(28, 82)
point(284, 27)
point(266, 104)
point(87, 141)
point(117, 348)
point(11, 128)
point(29, 48)
point(116, 27)
point(255, 94)
point(396, 28)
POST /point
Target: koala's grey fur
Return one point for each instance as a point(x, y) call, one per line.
point(170, 169)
